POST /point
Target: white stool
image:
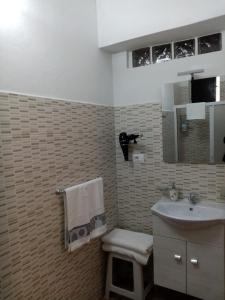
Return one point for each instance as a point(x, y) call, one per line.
point(138, 291)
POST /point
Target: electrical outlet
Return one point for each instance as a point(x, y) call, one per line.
point(139, 157)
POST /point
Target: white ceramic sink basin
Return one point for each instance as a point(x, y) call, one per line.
point(183, 213)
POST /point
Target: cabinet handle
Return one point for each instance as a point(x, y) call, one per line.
point(194, 261)
point(177, 257)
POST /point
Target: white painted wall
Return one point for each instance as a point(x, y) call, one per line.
point(143, 84)
point(128, 19)
point(49, 48)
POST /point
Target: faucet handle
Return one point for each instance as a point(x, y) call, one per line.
point(193, 197)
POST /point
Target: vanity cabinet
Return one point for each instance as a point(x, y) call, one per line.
point(205, 271)
point(170, 263)
point(189, 261)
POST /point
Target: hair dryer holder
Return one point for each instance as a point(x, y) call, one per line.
point(126, 139)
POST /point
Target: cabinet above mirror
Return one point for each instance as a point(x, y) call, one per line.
point(193, 121)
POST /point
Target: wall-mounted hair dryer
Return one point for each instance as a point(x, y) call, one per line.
point(125, 140)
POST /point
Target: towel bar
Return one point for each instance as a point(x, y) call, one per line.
point(62, 190)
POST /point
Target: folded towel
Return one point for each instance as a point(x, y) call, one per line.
point(84, 213)
point(134, 241)
point(140, 258)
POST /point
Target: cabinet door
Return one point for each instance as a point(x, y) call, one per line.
point(205, 271)
point(170, 263)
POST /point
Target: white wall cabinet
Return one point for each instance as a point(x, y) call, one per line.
point(188, 261)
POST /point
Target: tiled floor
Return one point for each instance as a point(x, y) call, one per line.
point(159, 293)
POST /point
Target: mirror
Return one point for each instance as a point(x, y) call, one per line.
point(194, 129)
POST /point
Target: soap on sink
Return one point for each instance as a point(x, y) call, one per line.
point(173, 193)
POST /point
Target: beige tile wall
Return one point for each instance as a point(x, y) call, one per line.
point(46, 144)
point(137, 185)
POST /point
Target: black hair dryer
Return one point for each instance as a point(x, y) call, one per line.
point(125, 140)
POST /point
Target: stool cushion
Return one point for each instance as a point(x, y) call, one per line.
point(140, 258)
point(135, 241)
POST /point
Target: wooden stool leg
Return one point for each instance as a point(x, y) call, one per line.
point(108, 276)
point(138, 281)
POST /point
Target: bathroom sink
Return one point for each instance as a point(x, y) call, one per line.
point(185, 214)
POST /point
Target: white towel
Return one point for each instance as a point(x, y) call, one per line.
point(96, 209)
point(134, 241)
point(140, 258)
point(84, 213)
point(196, 111)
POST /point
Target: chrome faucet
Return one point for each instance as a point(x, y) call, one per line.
point(193, 198)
